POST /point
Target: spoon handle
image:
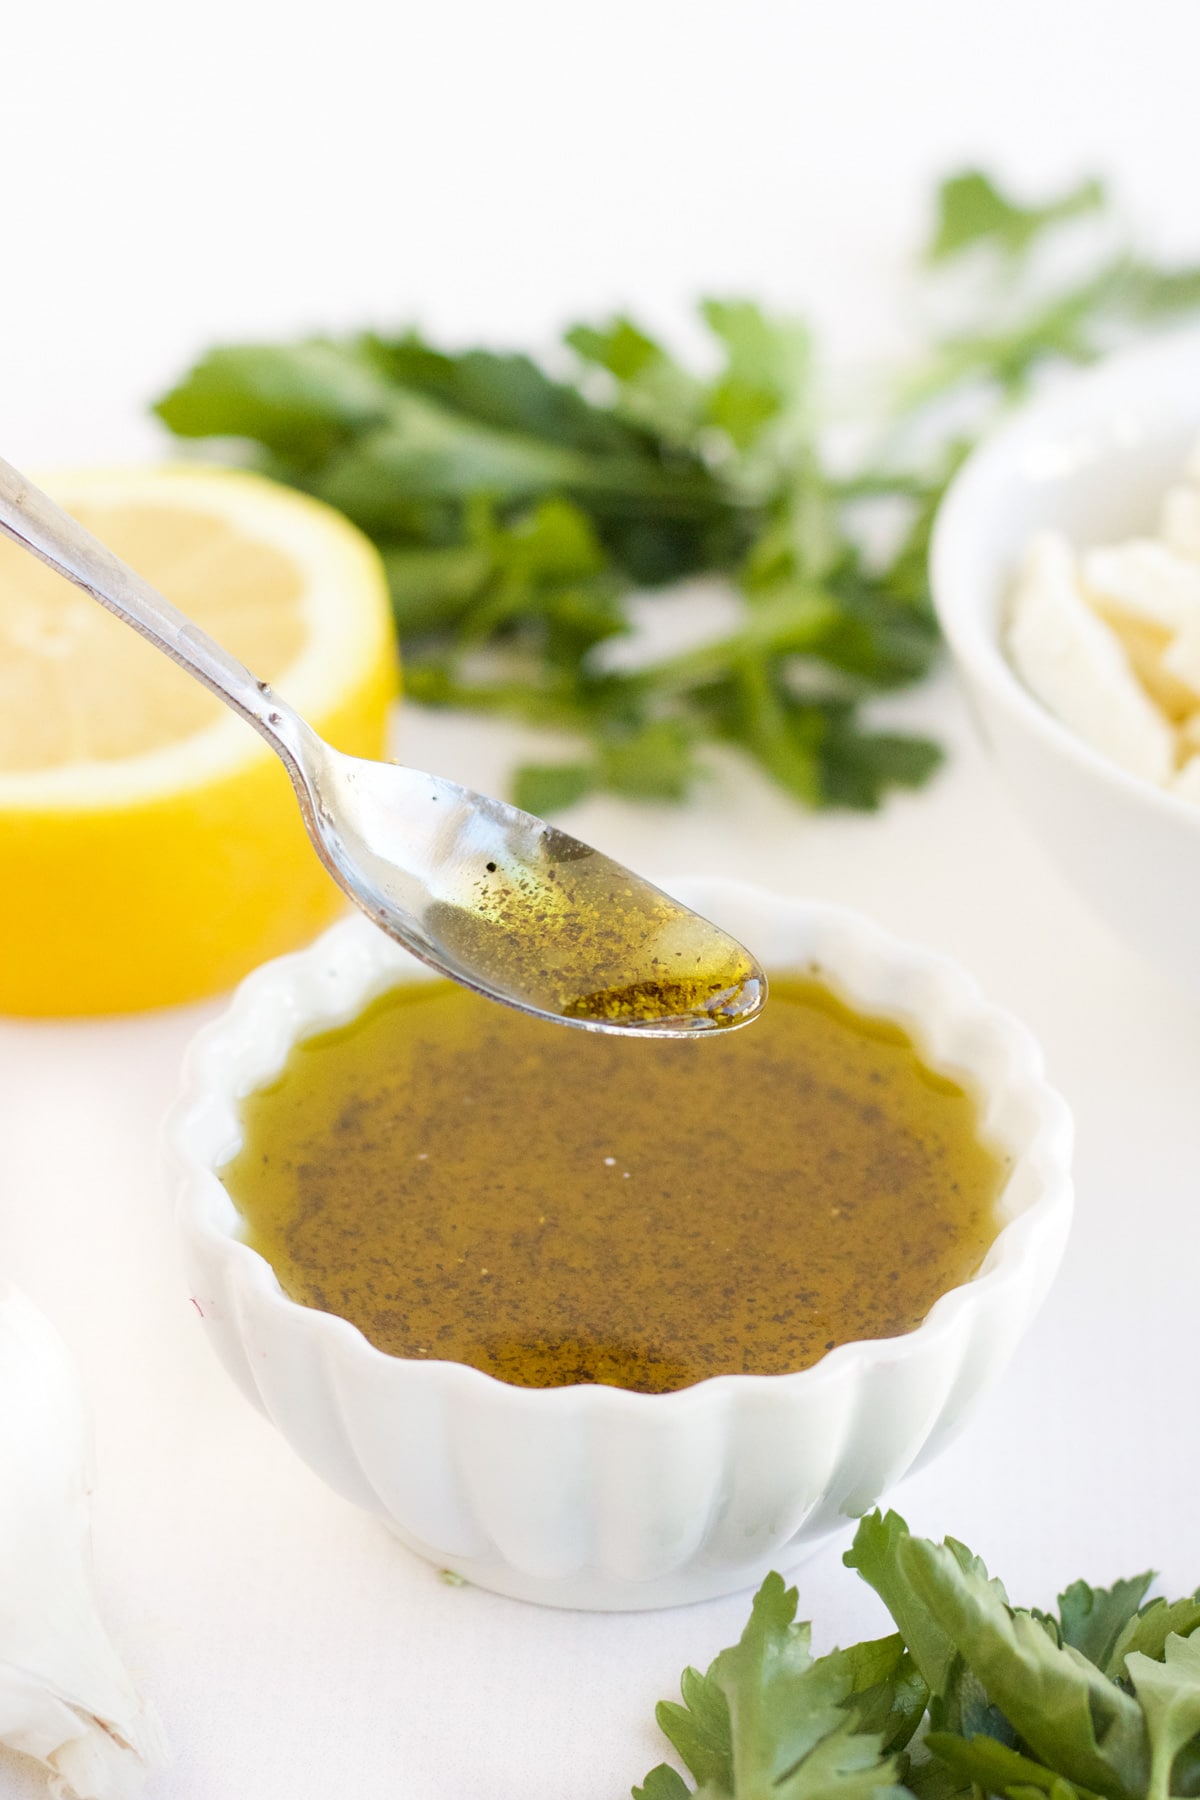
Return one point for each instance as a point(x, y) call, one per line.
point(30, 518)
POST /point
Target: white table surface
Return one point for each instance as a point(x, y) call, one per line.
point(252, 169)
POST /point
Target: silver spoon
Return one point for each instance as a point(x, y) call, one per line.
point(492, 897)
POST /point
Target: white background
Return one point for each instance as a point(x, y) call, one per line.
point(171, 177)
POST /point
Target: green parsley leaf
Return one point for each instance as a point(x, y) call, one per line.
point(929, 1778)
point(663, 1783)
point(1169, 1695)
point(1093, 1619)
point(302, 401)
point(886, 1694)
point(1149, 293)
point(655, 762)
point(767, 374)
point(857, 768)
point(972, 210)
point(875, 1553)
point(545, 788)
point(1060, 1704)
point(995, 1768)
point(432, 588)
point(507, 392)
point(427, 452)
point(700, 1731)
point(781, 1703)
point(768, 1722)
point(1147, 1632)
point(649, 388)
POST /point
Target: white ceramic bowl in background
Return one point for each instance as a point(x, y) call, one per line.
point(594, 1496)
point(1093, 456)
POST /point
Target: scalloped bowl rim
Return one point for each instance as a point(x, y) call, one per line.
point(1048, 1152)
point(973, 491)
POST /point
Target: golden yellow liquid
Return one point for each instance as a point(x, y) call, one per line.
point(586, 939)
point(554, 1206)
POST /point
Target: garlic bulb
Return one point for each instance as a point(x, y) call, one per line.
point(65, 1697)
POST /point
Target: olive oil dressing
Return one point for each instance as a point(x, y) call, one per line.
point(465, 1182)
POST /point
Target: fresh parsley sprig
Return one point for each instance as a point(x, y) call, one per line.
point(517, 513)
point(971, 1696)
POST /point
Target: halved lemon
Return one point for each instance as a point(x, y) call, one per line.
point(151, 848)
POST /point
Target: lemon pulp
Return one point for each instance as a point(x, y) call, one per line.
point(151, 848)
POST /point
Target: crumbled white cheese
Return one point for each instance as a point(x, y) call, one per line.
point(1109, 641)
point(1179, 520)
point(65, 1697)
point(1076, 664)
point(1181, 658)
point(1145, 580)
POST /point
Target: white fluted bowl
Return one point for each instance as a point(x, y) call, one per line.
point(594, 1496)
point(1091, 456)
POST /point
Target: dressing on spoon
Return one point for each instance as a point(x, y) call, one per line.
point(598, 946)
point(489, 895)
